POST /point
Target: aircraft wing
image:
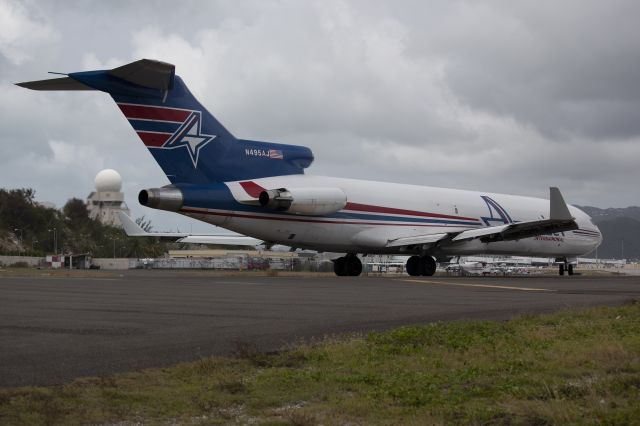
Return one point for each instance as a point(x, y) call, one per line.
point(516, 231)
point(133, 230)
point(560, 220)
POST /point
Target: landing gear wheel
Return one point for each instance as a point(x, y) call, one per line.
point(561, 270)
point(414, 266)
point(570, 269)
point(340, 266)
point(348, 265)
point(428, 266)
point(421, 266)
point(354, 266)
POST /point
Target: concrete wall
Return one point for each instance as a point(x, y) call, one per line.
point(31, 261)
point(105, 263)
point(112, 264)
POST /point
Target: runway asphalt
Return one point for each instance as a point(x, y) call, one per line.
point(53, 330)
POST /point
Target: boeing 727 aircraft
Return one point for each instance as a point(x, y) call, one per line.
point(259, 189)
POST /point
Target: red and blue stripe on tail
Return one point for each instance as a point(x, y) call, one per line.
point(188, 143)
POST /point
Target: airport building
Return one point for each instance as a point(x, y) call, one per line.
point(107, 200)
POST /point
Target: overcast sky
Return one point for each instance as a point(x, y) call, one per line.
point(501, 96)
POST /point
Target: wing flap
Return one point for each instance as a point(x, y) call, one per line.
point(417, 239)
point(223, 240)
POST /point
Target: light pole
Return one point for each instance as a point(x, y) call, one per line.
point(19, 249)
point(55, 240)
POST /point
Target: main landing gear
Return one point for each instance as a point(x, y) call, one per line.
point(566, 267)
point(347, 266)
point(421, 265)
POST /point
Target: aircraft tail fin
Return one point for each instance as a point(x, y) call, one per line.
point(186, 140)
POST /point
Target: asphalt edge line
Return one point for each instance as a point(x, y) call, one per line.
point(479, 285)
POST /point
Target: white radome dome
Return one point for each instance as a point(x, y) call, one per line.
point(108, 180)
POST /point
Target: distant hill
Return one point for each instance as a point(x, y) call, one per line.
point(617, 224)
point(618, 235)
point(600, 215)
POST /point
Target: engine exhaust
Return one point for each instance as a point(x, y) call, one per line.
point(170, 199)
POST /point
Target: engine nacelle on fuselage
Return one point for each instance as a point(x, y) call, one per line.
point(304, 201)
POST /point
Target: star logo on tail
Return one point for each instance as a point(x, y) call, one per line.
point(190, 136)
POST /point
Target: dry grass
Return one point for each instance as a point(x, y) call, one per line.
point(57, 273)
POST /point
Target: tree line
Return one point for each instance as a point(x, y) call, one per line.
point(30, 228)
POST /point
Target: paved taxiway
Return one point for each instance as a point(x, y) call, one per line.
point(55, 329)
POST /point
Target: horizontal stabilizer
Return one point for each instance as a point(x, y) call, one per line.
point(147, 73)
point(64, 83)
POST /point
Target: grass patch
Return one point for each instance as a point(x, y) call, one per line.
point(575, 366)
point(33, 272)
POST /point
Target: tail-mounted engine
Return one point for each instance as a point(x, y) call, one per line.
point(304, 201)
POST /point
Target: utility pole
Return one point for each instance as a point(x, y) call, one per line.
point(55, 240)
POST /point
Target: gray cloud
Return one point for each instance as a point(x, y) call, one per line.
point(502, 96)
point(567, 68)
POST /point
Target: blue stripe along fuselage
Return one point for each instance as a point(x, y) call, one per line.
point(218, 196)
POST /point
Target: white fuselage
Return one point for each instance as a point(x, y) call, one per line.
point(394, 211)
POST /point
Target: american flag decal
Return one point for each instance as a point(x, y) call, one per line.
point(276, 154)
